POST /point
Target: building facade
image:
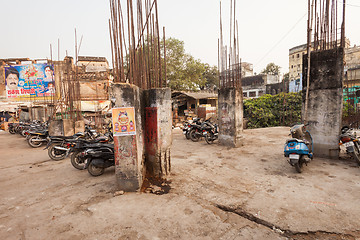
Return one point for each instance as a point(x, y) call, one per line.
point(296, 64)
point(258, 85)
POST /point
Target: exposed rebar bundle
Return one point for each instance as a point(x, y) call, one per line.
point(228, 57)
point(323, 15)
point(136, 51)
point(68, 105)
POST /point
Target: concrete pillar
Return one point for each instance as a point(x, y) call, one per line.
point(158, 132)
point(56, 128)
point(129, 149)
point(325, 100)
point(230, 113)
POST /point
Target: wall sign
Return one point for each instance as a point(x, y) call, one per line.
point(124, 121)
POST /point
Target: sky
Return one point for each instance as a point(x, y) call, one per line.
point(267, 29)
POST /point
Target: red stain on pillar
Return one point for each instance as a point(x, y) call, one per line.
point(151, 136)
point(125, 151)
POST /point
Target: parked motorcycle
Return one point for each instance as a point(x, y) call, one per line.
point(98, 158)
point(12, 128)
point(211, 132)
point(299, 149)
point(349, 140)
point(60, 147)
point(37, 138)
point(199, 131)
point(187, 127)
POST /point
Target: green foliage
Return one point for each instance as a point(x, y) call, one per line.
point(348, 109)
point(283, 109)
point(211, 76)
point(184, 72)
point(271, 69)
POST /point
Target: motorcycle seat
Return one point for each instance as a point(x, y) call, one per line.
point(295, 140)
point(61, 137)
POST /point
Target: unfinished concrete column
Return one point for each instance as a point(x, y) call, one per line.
point(325, 100)
point(128, 136)
point(158, 132)
point(230, 114)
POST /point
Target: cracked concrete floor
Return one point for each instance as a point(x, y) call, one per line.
point(217, 193)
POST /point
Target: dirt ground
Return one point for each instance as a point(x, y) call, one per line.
point(216, 193)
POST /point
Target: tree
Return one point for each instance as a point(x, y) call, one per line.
point(286, 77)
point(184, 72)
point(211, 75)
point(271, 69)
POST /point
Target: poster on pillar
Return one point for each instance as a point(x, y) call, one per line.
point(29, 82)
point(123, 121)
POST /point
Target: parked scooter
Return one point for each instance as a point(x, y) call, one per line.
point(299, 149)
point(98, 158)
point(81, 145)
point(349, 140)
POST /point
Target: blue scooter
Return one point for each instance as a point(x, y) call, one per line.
point(299, 149)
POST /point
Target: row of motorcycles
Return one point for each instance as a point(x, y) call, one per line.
point(299, 149)
point(87, 150)
point(197, 129)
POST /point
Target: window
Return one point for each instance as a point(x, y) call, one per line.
point(292, 66)
point(297, 55)
point(245, 94)
point(252, 94)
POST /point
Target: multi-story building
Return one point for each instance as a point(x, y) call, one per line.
point(296, 64)
point(258, 85)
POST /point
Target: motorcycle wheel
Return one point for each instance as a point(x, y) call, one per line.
point(33, 143)
point(95, 171)
point(12, 131)
point(22, 133)
point(56, 154)
point(76, 162)
point(193, 136)
point(187, 134)
point(299, 165)
point(357, 153)
point(209, 138)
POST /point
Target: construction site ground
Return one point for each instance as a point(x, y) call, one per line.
point(216, 192)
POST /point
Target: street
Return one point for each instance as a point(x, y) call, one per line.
point(216, 193)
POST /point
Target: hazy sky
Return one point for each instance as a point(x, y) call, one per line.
point(267, 29)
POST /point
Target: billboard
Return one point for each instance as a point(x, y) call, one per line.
point(30, 82)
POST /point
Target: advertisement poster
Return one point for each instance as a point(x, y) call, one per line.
point(30, 82)
point(123, 121)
